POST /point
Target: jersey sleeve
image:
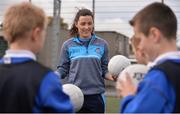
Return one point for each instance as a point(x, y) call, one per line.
point(64, 64)
point(105, 60)
point(51, 97)
point(154, 95)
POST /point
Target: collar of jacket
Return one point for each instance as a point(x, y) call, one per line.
point(76, 39)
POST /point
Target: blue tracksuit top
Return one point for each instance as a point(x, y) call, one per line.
point(85, 66)
point(155, 93)
point(54, 97)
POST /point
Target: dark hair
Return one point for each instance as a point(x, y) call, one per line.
point(156, 15)
point(82, 12)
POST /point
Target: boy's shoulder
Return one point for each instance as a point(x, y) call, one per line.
point(26, 65)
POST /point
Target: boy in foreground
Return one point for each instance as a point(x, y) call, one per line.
point(159, 92)
point(26, 85)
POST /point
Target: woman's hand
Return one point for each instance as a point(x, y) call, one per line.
point(111, 77)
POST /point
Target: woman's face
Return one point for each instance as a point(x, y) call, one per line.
point(85, 26)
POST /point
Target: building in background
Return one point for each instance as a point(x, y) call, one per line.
point(118, 44)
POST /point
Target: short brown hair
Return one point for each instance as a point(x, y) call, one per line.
point(156, 15)
point(22, 18)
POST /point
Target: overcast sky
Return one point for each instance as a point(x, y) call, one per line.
point(110, 15)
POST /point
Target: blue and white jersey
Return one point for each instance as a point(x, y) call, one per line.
point(50, 93)
point(85, 65)
point(155, 93)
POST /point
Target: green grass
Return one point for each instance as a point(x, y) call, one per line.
point(112, 105)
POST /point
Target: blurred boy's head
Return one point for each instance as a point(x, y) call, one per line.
point(25, 23)
point(156, 27)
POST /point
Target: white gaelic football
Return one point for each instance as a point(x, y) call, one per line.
point(136, 72)
point(117, 63)
point(75, 94)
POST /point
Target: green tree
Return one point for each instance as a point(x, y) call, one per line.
point(63, 25)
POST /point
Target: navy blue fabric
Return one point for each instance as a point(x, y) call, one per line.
point(172, 71)
point(93, 104)
point(50, 97)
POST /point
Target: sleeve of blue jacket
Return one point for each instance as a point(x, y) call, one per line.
point(105, 59)
point(64, 65)
point(51, 96)
point(155, 95)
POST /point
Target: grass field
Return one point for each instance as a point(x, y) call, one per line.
point(112, 105)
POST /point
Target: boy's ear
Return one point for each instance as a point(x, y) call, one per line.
point(36, 33)
point(155, 34)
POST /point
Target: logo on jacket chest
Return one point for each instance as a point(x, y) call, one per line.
point(98, 50)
